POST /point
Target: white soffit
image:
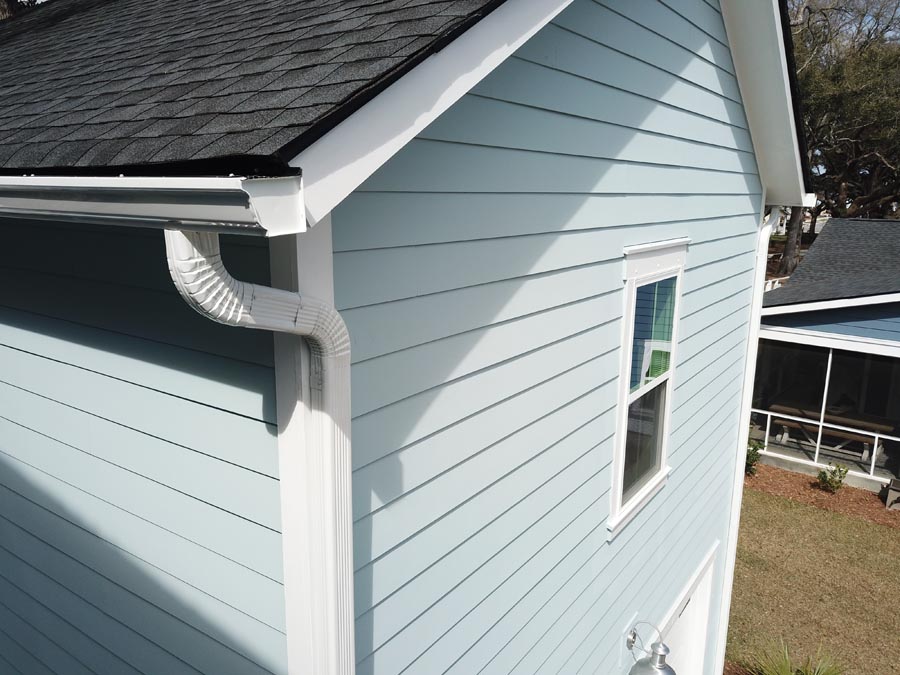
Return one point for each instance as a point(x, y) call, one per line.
point(758, 50)
point(343, 158)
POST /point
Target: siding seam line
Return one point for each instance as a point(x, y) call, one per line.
point(654, 66)
point(109, 616)
point(139, 431)
point(132, 472)
point(663, 104)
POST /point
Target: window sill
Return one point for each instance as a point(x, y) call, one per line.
point(617, 523)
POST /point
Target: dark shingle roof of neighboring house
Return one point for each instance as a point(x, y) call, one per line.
point(89, 84)
point(849, 259)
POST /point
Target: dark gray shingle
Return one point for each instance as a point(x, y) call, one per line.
point(849, 259)
point(113, 84)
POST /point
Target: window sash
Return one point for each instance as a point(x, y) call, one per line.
point(646, 388)
point(658, 424)
point(645, 264)
point(656, 320)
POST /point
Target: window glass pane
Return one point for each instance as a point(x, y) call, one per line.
point(790, 379)
point(643, 444)
point(654, 317)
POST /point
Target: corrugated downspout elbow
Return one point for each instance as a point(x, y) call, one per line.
point(196, 266)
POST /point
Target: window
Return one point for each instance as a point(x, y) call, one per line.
point(652, 280)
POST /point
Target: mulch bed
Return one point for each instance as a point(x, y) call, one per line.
point(733, 669)
point(802, 488)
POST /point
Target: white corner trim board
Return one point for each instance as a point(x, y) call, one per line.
point(255, 206)
point(831, 304)
point(319, 574)
point(737, 488)
point(343, 158)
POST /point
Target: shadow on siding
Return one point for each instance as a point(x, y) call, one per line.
point(441, 384)
point(75, 603)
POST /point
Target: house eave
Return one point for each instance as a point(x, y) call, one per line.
point(851, 343)
point(338, 162)
point(264, 207)
point(761, 51)
point(862, 301)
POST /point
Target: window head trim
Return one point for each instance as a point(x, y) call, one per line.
point(644, 264)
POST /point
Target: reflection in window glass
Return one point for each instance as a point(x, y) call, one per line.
point(654, 319)
point(643, 444)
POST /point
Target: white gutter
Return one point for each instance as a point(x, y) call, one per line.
point(323, 620)
point(737, 490)
point(267, 207)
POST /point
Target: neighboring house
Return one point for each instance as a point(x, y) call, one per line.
point(828, 376)
point(535, 229)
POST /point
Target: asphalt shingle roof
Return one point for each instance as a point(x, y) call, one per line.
point(849, 259)
point(86, 84)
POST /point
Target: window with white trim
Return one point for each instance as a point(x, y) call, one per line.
point(652, 287)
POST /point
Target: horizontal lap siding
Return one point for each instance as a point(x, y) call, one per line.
point(480, 274)
point(879, 322)
point(139, 508)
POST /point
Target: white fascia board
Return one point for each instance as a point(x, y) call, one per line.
point(758, 51)
point(343, 158)
point(258, 206)
point(831, 304)
point(849, 343)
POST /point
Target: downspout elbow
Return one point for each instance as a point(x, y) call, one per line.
point(196, 266)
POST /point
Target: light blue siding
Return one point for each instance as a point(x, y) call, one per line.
point(878, 322)
point(139, 506)
point(480, 274)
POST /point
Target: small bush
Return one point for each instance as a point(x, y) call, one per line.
point(778, 661)
point(753, 448)
point(772, 662)
point(831, 478)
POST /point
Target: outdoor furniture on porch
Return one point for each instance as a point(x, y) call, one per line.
point(863, 423)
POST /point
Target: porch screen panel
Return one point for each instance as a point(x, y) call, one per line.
point(864, 387)
point(790, 379)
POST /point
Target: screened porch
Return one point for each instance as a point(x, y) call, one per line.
point(818, 405)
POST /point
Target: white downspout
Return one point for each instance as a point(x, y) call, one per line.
point(199, 274)
point(737, 490)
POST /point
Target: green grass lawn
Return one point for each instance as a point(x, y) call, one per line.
point(815, 578)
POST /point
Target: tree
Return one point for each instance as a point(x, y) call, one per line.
point(848, 67)
point(10, 8)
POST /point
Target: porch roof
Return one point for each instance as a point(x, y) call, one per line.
point(850, 259)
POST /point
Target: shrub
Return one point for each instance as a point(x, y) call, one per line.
point(772, 662)
point(831, 478)
point(777, 661)
point(753, 448)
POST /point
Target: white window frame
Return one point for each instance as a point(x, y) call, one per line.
point(644, 264)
